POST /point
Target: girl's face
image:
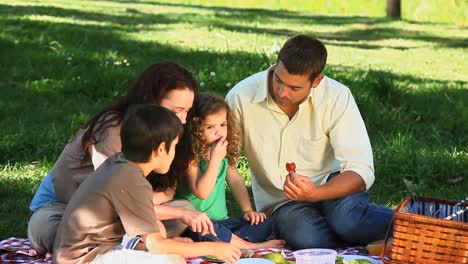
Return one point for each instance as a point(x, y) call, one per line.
point(180, 101)
point(214, 126)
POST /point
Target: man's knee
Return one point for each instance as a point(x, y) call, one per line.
point(301, 237)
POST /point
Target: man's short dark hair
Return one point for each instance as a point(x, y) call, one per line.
point(302, 54)
point(145, 127)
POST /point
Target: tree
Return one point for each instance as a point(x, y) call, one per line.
point(394, 8)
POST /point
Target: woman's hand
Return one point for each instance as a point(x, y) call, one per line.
point(198, 222)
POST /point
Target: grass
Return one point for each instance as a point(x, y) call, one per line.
point(62, 60)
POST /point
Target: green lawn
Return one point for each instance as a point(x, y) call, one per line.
point(62, 60)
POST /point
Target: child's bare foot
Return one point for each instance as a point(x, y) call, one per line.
point(274, 243)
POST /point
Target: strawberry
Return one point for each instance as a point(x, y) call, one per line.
point(290, 167)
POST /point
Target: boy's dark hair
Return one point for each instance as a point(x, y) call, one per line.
point(145, 127)
point(150, 87)
point(302, 54)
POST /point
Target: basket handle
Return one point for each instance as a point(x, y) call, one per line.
point(387, 236)
point(382, 254)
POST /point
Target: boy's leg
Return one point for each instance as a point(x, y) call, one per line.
point(357, 221)
point(124, 256)
point(302, 225)
point(175, 227)
point(43, 225)
point(252, 233)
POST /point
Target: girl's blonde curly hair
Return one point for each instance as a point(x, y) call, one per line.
point(206, 104)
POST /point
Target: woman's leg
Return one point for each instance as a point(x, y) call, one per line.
point(43, 226)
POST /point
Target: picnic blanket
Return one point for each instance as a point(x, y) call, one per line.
point(19, 250)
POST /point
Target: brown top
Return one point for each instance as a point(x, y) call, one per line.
point(116, 200)
point(70, 170)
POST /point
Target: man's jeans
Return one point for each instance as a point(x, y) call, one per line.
point(351, 220)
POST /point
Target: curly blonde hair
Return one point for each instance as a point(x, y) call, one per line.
point(207, 104)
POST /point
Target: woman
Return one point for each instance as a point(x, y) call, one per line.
point(166, 84)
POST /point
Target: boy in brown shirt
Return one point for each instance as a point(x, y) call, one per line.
point(117, 200)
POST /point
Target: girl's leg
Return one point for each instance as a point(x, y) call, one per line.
point(43, 226)
point(252, 233)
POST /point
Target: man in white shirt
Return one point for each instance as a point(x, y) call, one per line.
point(292, 113)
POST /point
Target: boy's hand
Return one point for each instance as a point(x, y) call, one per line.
point(254, 217)
point(226, 252)
point(219, 149)
point(198, 222)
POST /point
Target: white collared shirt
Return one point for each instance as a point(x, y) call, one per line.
point(326, 134)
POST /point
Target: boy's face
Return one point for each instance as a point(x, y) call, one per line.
point(215, 127)
point(166, 158)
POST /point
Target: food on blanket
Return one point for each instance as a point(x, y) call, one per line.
point(375, 248)
point(276, 257)
point(212, 259)
point(357, 261)
point(247, 253)
point(339, 260)
point(290, 167)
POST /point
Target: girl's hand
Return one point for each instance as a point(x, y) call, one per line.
point(219, 149)
point(254, 217)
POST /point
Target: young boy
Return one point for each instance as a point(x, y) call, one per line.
point(117, 200)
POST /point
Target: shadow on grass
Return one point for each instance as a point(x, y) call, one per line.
point(127, 19)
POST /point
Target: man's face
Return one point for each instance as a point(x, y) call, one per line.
point(289, 89)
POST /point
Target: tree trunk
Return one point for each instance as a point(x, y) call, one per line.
point(394, 8)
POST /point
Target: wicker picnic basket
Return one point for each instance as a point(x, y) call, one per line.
point(425, 239)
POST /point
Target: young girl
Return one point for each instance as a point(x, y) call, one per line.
point(214, 139)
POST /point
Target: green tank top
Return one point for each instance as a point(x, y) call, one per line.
point(215, 205)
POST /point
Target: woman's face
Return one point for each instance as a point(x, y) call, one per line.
point(180, 101)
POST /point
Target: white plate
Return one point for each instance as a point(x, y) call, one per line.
point(351, 257)
point(254, 261)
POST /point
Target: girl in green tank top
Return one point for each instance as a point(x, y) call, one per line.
point(214, 139)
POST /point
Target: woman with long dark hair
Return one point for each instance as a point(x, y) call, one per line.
point(166, 84)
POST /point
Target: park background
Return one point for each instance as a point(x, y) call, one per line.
point(62, 60)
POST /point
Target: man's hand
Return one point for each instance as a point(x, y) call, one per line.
point(300, 188)
point(198, 222)
point(254, 217)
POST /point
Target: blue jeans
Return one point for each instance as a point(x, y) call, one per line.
point(351, 220)
point(241, 228)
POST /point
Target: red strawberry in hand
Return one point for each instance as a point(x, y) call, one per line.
point(290, 167)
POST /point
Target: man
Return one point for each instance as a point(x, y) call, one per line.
point(292, 113)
